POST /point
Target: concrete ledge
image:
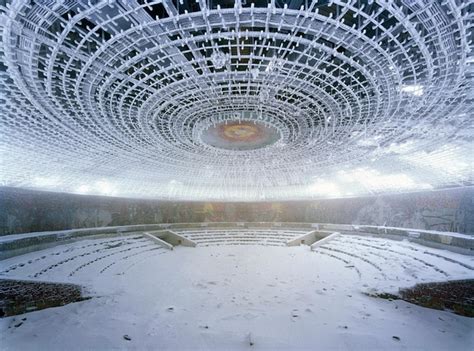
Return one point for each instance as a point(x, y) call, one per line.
point(325, 240)
point(446, 239)
point(305, 239)
point(71, 233)
point(158, 241)
point(172, 238)
point(337, 227)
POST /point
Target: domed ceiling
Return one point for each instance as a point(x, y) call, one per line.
point(234, 100)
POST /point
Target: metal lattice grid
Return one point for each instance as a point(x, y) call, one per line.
point(119, 97)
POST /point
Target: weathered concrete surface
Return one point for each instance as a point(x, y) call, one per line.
point(24, 211)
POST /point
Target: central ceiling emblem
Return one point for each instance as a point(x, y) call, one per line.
point(241, 132)
point(240, 135)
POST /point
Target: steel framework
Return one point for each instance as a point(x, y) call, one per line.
point(114, 97)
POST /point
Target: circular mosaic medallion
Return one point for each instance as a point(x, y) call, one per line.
point(243, 135)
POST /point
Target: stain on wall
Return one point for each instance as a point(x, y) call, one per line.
point(26, 211)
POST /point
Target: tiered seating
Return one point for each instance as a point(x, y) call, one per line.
point(389, 260)
point(248, 236)
point(81, 259)
point(371, 258)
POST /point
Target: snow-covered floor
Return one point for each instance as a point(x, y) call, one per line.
point(226, 297)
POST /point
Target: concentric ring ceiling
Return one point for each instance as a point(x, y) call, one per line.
point(354, 97)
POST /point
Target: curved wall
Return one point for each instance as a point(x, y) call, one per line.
point(28, 211)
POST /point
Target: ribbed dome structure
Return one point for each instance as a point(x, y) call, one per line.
point(233, 100)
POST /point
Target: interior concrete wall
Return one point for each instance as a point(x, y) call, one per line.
point(27, 211)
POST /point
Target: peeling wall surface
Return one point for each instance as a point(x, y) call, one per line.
point(27, 211)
